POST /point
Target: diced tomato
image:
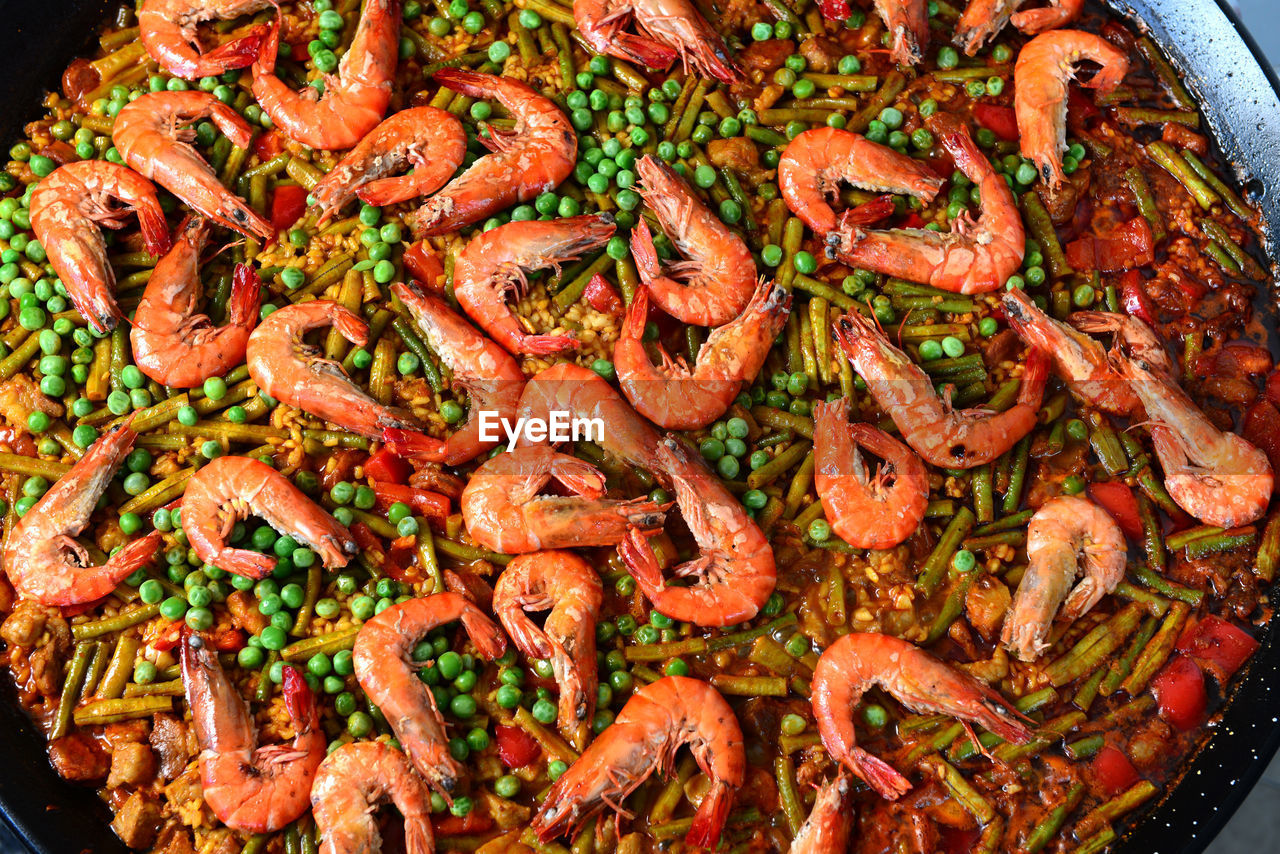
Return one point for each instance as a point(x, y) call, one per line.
point(957, 840)
point(399, 561)
point(424, 265)
point(913, 220)
point(385, 467)
point(1261, 426)
point(833, 10)
point(166, 636)
point(1134, 298)
point(1180, 693)
point(1127, 246)
point(1184, 137)
point(432, 505)
point(368, 541)
point(1079, 105)
point(298, 51)
point(999, 120)
point(602, 297)
point(1113, 770)
point(287, 205)
point(516, 748)
point(229, 640)
point(472, 823)
point(1217, 645)
point(1117, 499)
point(268, 145)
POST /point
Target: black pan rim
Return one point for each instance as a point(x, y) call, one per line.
point(52, 816)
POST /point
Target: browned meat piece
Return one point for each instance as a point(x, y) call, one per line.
point(132, 764)
point(738, 154)
point(126, 732)
point(1003, 347)
point(432, 477)
point(985, 605)
point(78, 757)
point(765, 56)
point(19, 397)
point(822, 53)
point(245, 613)
point(137, 822)
point(1061, 204)
point(25, 625)
point(169, 740)
point(173, 838)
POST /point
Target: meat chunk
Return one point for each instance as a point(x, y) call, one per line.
point(245, 613)
point(138, 821)
point(766, 56)
point(174, 838)
point(132, 764)
point(739, 155)
point(822, 53)
point(985, 605)
point(79, 758)
point(169, 741)
point(25, 625)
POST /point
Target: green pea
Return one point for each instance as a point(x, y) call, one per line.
point(963, 560)
point(819, 530)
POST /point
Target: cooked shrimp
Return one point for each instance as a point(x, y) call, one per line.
point(672, 28)
point(153, 136)
point(735, 572)
point(494, 263)
point(1135, 338)
point(1044, 68)
point(830, 822)
point(569, 588)
point(430, 141)
point(657, 720)
point(492, 379)
point(584, 394)
point(913, 677)
point(983, 20)
point(677, 398)
point(173, 343)
point(817, 161)
point(1066, 538)
point(504, 512)
point(866, 511)
point(1219, 478)
point(1080, 360)
point(67, 208)
point(168, 29)
point(250, 788)
point(534, 158)
point(943, 436)
point(715, 282)
point(229, 489)
point(354, 100)
point(350, 784)
point(384, 665)
point(974, 257)
point(42, 558)
point(294, 372)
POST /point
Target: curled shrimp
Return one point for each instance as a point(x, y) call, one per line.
point(493, 265)
point(734, 573)
point(229, 489)
point(673, 28)
point(67, 208)
point(657, 720)
point(715, 282)
point(168, 29)
point(295, 373)
point(830, 822)
point(677, 398)
point(906, 20)
point(250, 788)
point(354, 100)
point(384, 666)
point(943, 436)
point(153, 135)
point(42, 559)
point(492, 379)
point(1219, 478)
point(1045, 66)
point(569, 588)
point(1134, 337)
point(173, 343)
point(504, 512)
point(984, 19)
point(974, 257)
point(1080, 360)
point(922, 683)
point(351, 782)
point(584, 394)
point(1066, 538)
point(816, 162)
point(866, 511)
point(431, 141)
point(534, 158)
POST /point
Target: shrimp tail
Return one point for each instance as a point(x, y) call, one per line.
point(413, 445)
point(351, 327)
point(867, 213)
point(487, 637)
point(637, 312)
point(878, 774)
point(268, 48)
point(246, 563)
point(650, 53)
point(240, 52)
point(246, 296)
point(642, 249)
point(299, 701)
point(580, 476)
point(418, 837)
point(548, 345)
point(642, 563)
point(708, 821)
point(1034, 376)
point(155, 231)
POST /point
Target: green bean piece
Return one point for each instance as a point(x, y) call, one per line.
point(1172, 162)
point(1044, 832)
point(113, 711)
point(1094, 647)
point(1229, 196)
point(981, 485)
point(779, 465)
point(1097, 843)
point(953, 606)
point(664, 651)
point(960, 788)
point(1120, 668)
point(430, 368)
point(784, 772)
point(1017, 476)
point(894, 83)
point(22, 354)
point(32, 466)
point(1041, 228)
point(1146, 203)
point(1154, 655)
point(119, 669)
point(118, 623)
point(1269, 549)
point(71, 686)
point(1166, 588)
point(1224, 542)
point(1049, 732)
point(780, 420)
point(935, 566)
point(467, 553)
point(172, 688)
point(572, 292)
point(1108, 812)
point(824, 291)
point(160, 493)
point(1243, 260)
point(1169, 79)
